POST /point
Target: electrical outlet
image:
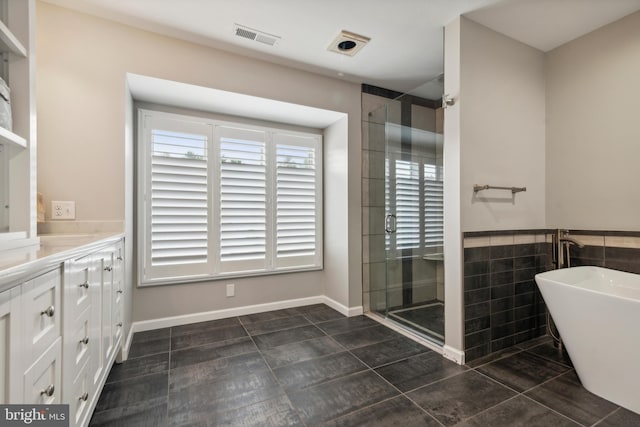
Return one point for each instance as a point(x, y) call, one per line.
point(231, 290)
point(63, 210)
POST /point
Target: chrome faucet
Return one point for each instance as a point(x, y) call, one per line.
point(561, 242)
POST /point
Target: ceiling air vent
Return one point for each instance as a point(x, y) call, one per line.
point(255, 35)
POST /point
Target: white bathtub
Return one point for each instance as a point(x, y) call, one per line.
point(597, 312)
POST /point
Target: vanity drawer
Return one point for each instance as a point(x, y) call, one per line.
point(77, 284)
point(42, 314)
point(43, 380)
point(79, 397)
point(78, 344)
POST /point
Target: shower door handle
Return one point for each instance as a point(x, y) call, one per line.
point(390, 222)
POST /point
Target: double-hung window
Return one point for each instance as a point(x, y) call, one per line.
point(220, 199)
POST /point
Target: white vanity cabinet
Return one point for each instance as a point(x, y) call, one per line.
point(61, 327)
point(10, 342)
point(91, 336)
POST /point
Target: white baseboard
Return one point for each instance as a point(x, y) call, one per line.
point(453, 354)
point(167, 322)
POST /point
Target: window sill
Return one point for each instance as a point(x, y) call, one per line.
point(168, 281)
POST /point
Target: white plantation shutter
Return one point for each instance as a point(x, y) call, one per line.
point(219, 199)
point(433, 206)
point(297, 199)
point(243, 197)
point(176, 198)
point(408, 213)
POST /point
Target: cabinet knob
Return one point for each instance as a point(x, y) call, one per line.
point(84, 340)
point(108, 268)
point(119, 324)
point(48, 391)
point(119, 258)
point(119, 291)
point(84, 397)
point(49, 311)
point(84, 285)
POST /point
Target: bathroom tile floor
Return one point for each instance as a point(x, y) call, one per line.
point(311, 366)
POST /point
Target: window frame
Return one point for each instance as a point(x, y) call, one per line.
point(214, 270)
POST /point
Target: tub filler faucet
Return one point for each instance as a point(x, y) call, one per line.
point(561, 243)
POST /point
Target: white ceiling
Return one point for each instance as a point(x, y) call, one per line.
point(405, 50)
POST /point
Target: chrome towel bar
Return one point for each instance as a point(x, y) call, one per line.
point(513, 190)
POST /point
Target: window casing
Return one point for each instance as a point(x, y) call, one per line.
point(220, 199)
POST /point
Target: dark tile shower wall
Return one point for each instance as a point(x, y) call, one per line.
point(503, 306)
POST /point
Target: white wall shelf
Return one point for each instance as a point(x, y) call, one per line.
point(10, 43)
point(11, 139)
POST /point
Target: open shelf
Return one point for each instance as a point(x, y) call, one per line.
point(10, 43)
point(11, 139)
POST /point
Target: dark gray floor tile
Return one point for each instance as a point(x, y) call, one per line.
point(216, 350)
point(336, 398)
point(149, 413)
point(287, 336)
point(518, 412)
point(276, 412)
point(125, 393)
point(366, 336)
point(152, 335)
point(398, 411)
point(522, 371)
point(566, 395)
point(346, 324)
point(202, 404)
point(138, 367)
point(317, 371)
point(269, 315)
point(459, 397)
point(375, 355)
point(418, 371)
point(621, 418)
point(550, 352)
point(300, 351)
point(206, 337)
point(147, 343)
point(322, 314)
point(206, 372)
point(276, 325)
point(193, 328)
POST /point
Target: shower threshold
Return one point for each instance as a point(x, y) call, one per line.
point(426, 318)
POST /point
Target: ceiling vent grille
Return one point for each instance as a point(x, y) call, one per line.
point(255, 35)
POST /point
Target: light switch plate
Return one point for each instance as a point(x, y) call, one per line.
point(63, 210)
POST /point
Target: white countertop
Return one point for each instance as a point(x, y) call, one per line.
point(19, 265)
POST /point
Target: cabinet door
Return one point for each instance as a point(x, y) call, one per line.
point(118, 296)
point(11, 343)
point(96, 362)
point(43, 380)
point(107, 258)
point(42, 313)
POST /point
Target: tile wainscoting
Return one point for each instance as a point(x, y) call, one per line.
point(503, 306)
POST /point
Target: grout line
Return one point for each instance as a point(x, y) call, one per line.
point(284, 393)
point(552, 410)
point(607, 416)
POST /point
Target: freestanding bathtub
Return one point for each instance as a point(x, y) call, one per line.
point(597, 312)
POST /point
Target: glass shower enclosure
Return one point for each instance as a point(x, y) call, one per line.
point(413, 289)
